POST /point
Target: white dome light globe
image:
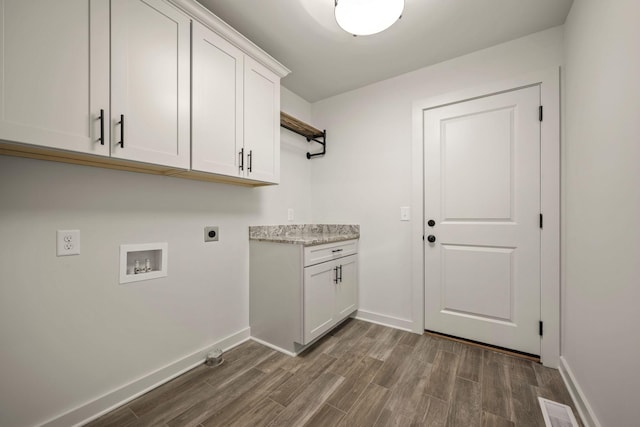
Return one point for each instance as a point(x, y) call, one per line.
point(366, 17)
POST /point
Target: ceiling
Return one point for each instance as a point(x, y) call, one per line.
point(325, 61)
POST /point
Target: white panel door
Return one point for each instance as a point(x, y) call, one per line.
point(320, 283)
point(150, 75)
point(216, 99)
point(482, 190)
point(261, 122)
point(347, 287)
point(54, 69)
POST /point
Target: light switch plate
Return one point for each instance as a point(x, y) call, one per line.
point(290, 214)
point(405, 213)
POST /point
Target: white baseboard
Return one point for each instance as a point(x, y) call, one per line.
point(384, 320)
point(274, 347)
point(579, 399)
point(116, 398)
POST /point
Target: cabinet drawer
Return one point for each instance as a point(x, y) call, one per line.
point(321, 253)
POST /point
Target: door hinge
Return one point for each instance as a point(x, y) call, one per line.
point(540, 113)
point(541, 221)
point(541, 328)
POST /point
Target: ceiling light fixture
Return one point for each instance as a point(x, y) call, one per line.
point(366, 17)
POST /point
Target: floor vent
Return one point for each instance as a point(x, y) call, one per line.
point(556, 414)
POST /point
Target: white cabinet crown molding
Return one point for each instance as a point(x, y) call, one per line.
point(208, 19)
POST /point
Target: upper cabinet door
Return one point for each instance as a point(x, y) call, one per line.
point(54, 73)
point(217, 104)
point(261, 122)
point(150, 82)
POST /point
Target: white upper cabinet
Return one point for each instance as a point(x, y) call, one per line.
point(235, 111)
point(54, 69)
point(127, 84)
point(261, 122)
point(150, 67)
point(217, 104)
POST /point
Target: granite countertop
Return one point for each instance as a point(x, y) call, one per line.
point(304, 234)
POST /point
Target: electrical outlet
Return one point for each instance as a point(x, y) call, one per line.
point(290, 214)
point(68, 242)
point(211, 234)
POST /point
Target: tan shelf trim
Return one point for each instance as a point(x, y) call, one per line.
point(61, 156)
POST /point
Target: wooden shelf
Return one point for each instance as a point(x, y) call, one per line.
point(308, 131)
point(299, 127)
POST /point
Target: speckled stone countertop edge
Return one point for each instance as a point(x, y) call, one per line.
point(304, 234)
point(309, 240)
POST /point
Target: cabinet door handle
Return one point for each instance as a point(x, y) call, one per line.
point(250, 158)
point(340, 273)
point(242, 159)
point(337, 250)
point(335, 275)
point(121, 123)
point(101, 127)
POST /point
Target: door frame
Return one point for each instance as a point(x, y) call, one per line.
point(549, 81)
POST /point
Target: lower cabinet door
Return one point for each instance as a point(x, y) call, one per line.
point(346, 297)
point(319, 299)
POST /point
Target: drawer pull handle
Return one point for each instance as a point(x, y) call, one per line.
point(121, 123)
point(340, 278)
point(337, 250)
point(101, 118)
point(335, 275)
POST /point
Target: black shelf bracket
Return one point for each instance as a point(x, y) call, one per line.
point(322, 142)
point(320, 138)
point(311, 133)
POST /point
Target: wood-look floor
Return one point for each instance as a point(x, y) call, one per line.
point(362, 374)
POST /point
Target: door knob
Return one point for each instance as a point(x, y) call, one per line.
point(431, 223)
point(431, 238)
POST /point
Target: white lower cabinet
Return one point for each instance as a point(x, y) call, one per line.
point(330, 295)
point(296, 296)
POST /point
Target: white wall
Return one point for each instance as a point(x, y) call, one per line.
point(601, 235)
point(69, 333)
point(294, 190)
point(366, 176)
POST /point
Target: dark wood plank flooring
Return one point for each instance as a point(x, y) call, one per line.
point(361, 374)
